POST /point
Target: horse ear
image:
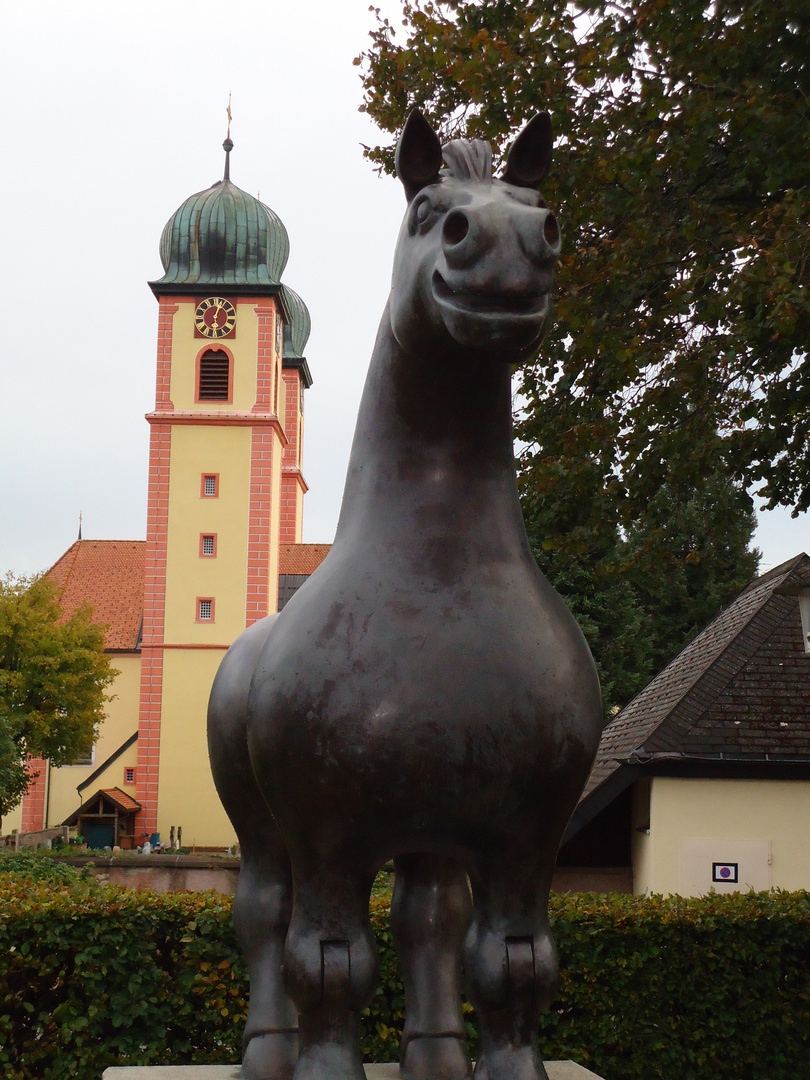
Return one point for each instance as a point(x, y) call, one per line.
point(418, 156)
point(529, 156)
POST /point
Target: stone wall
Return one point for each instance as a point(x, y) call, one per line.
point(200, 873)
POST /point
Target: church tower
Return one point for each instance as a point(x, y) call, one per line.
point(225, 481)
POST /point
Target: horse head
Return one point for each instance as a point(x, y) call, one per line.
point(473, 265)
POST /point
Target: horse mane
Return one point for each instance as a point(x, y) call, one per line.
point(467, 159)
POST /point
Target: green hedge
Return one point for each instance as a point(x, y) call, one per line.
point(92, 975)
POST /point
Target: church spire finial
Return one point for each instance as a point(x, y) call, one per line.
point(227, 146)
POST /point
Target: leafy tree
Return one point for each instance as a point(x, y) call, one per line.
point(675, 375)
point(53, 674)
point(688, 558)
point(569, 512)
point(682, 182)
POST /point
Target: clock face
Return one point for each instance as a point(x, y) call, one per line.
point(215, 318)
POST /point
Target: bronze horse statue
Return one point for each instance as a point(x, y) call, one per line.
point(426, 696)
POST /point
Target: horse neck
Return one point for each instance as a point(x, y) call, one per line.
point(432, 454)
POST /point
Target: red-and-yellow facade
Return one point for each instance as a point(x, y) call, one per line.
point(225, 497)
point(240, 445)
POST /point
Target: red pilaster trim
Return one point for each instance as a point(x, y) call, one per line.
point(33, 804)
point(257, 602)
point(266, 358)
point(164, 352)
point(290, 525)
point(154, 607)
point(292, 472)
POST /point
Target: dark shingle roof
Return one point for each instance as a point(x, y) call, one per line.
point(741, 688)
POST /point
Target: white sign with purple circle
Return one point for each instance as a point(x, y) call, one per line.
point(726, 872)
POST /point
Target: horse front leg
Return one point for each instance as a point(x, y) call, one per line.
point(430, 913)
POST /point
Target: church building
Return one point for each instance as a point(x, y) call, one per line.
point(223, 523)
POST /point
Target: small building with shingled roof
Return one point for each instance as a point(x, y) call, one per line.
point(703, 780)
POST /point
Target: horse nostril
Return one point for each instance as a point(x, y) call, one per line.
point(456, 227)
point(551, 230)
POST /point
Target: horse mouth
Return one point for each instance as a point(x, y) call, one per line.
point(495, 304)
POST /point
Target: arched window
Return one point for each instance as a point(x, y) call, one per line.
point(214, 376)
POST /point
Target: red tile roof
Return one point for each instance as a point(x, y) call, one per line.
point(123, 802)
point(116, 795)
point(301, 558)
point(108, 575)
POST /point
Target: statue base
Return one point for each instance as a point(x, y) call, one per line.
point(557, 1070)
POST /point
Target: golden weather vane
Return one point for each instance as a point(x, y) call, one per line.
point(228, 110)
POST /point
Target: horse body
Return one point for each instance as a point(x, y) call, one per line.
point(426, 696)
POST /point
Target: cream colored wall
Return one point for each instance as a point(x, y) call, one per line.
point(186, 793)
point(11, 822)
point(121, 722)
point(197, 450)
point(186, 348)
point(748, 813)
point(641, 842)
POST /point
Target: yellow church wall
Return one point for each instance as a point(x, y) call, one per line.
point(197, 450)
point(11, 822)
point(762, 825)
point(186, 348)
point(120, 723)
point(186, 793)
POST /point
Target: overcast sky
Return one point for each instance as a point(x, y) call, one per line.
point(113, 115)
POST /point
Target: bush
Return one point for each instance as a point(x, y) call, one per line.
point(92, 975)
point(38, 867)
point(683, 989)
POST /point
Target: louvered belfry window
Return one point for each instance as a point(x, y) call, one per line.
point(215, 369)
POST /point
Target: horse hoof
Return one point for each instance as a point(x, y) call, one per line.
point(330, 1061)
point(510, 1063)
point(439, 1057)
point(270, 1055)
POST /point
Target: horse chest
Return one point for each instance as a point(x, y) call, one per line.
point(475, 670)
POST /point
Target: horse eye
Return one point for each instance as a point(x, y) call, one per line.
point(420, 212)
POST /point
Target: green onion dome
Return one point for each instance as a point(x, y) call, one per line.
point(297, 332)
point(223, 236)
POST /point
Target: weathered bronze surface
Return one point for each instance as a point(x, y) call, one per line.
point(426, 696)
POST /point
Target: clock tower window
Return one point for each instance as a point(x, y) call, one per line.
point(214, 376)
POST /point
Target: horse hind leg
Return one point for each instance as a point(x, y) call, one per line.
point(263, 900)
point(430, 914)
point(511, 964)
